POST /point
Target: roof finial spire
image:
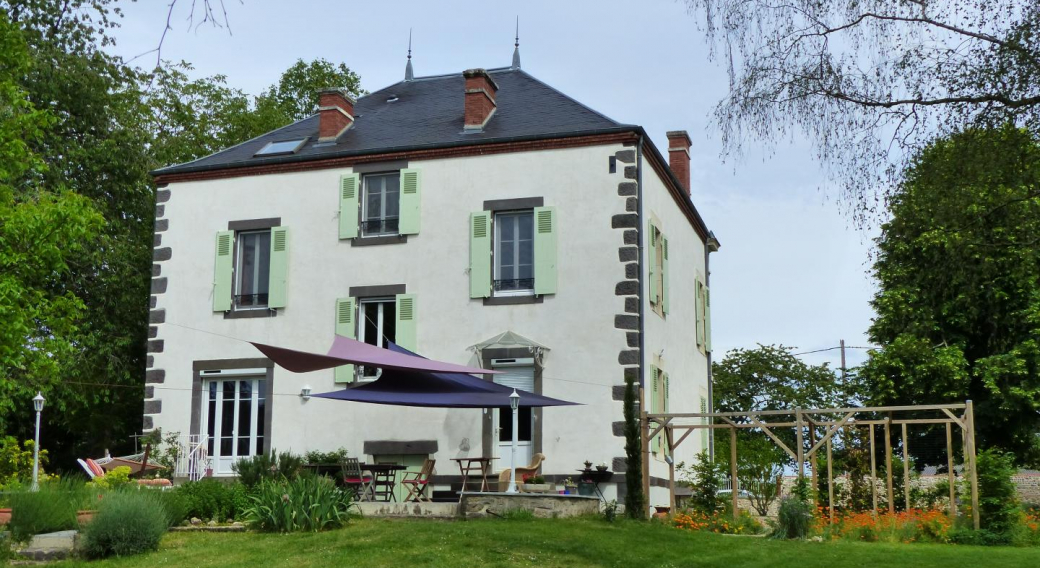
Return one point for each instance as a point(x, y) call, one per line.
point(408, 76)
point(516, 46)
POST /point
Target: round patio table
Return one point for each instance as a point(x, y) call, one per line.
point(597, 476)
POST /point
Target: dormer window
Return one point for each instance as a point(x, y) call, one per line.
point(281, 147)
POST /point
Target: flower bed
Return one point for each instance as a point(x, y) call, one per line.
point(719, 522)
point(915, 525)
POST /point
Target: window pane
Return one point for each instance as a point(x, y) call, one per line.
point(505, 424)
point(370, 313)
point(507, 226)
point(374, 204)
point(393, 205)
point(526, 251)
point(526, 222)
point(263, 254)
point(525, 423)
point(248, 267)
point(389, 322)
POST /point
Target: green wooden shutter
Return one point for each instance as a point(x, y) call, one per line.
point(707, 319)
point(349, 188)
point(411, 188)
point(345, 327)
point(699, 319)
point(544, 250)
point(664, 274)
point(223, 271)
point(279, 271)
point(655, 376)
point(480, 255)
point(652, 259)
point(405, 324)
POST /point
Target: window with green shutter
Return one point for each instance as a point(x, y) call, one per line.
point(545, 250)
point(405, 324)
point(345, 327)
point(349, 187)
point(655, 404)
point(651, 232)
point(411, 190)
point(699, 319)
point(223, 271)
point(279, 268)
point(664, 274)
point(480, 255)
point(707, 319)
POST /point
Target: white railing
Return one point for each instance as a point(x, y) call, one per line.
point(192, 458)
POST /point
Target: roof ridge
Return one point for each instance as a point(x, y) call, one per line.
point(439, 76)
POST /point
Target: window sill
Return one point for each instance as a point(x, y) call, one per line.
point(387, 240)
point(512, 300)
point(249, 314)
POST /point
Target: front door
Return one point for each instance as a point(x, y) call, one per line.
point(233, 420)
point(518, 374)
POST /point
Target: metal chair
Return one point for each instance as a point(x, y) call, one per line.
point(354, 478)
point(418, 482)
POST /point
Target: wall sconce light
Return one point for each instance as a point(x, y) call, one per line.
point(305, 393)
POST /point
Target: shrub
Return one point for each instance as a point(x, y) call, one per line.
point(717, 522)
point(127, 523)
point(252, 470)
point(52, 508)
point(113, 479)
point(795, 516)
point(210, 499)
point(999, 510)
point(173, 504)
point(307, 503)
point(610, 511)
point(705, 478)
point(16, 461)
point(333, 457)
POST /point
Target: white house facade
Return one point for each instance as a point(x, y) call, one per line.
point(481, 218)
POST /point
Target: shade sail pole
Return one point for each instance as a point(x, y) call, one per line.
point(514, 402)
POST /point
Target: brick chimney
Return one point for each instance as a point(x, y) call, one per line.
point(679, 156)
point(480, 98)
point(335, 113)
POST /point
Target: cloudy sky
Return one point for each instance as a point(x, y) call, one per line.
point(792, 268)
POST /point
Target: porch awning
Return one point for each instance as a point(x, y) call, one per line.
point(411, 387)
point(345, 351)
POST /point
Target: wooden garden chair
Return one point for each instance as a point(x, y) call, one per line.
point(354, 478)
point(417, 481)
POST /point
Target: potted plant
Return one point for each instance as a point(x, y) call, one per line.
point(588, 465)
point(586, 487)
point(535, 484)
point(569, 487)
point(602, 466)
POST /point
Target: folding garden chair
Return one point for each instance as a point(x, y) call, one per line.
point(356, 480)
point(416, 482)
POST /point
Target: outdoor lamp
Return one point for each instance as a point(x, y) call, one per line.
point(514, 403)
point(38, 405)
point(305, 393)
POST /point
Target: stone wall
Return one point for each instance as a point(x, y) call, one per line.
point(475, 505)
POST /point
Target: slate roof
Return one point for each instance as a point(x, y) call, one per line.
point(427, 113)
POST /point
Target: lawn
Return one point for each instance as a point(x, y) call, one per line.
point(545, 543)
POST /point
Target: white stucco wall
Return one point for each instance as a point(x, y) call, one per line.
point(577, 323)
point(674, 336)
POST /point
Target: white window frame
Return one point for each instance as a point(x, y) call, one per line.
point(258, 382)
point(497, 264)
point(363, 231)
point(239, 244)
point(380, 319)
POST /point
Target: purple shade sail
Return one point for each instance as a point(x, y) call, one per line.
point(432, 389)
point(345, 351)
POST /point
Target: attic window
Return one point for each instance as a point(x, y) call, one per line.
point(282, 147)
point(391, 99)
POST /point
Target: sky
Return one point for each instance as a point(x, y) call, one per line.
point(793, 269)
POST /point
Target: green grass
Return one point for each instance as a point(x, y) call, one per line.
point(545, 544)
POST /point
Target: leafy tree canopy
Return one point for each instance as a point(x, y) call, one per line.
point(769, 377)
point(869, 82)
point(958, 268)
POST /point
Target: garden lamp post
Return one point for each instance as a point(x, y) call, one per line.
point(514, 403)
point(38, 405)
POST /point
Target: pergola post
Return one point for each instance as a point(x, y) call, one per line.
point(888, 464)
point(969, 422)
point(733, 484)
point(669, 437)
point(801, 445)
point(949, 468)
point(812, 462)
point(906, 469)
point(873, 471)
point(830, 481)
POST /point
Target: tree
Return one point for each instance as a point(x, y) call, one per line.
point(871, 81)
point(42, 229)
point(769, 377)
point(295, 96)
point(958, 269)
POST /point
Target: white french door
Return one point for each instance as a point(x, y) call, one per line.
point(233, 420)
point(518, 374)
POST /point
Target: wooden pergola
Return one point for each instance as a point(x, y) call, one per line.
point(831, 420)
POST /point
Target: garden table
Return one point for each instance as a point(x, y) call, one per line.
point(384, 478)
point(474, 465)
point(596, 476)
